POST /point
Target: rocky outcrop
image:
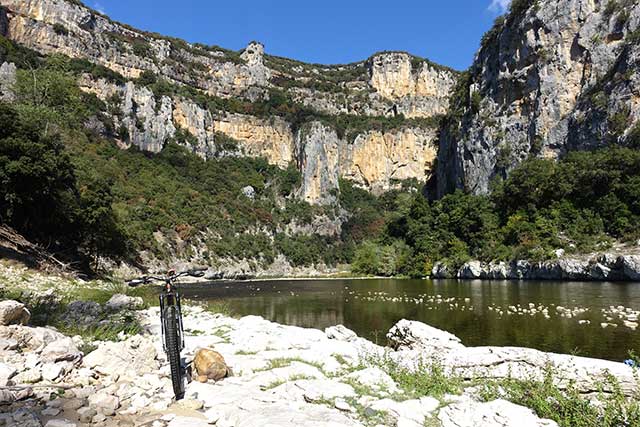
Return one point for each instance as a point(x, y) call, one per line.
point(389, 83)
point(319, 155)
point(416, 341)
point(271, 139)
point(7, 80)
point(605, 267)
point(380, 160)
point(540, 78)
point(416, 87)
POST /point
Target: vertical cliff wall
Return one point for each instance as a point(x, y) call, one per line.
point(540, 80)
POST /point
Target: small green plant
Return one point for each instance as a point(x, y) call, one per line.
point(60, 29)
point(568, 407)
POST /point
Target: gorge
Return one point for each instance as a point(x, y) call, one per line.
point(349, 148)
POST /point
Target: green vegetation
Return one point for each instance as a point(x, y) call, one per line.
point(569, 408)
point(60, 29)
point(579, 204)
point(426, 378)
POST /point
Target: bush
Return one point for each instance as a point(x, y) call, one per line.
point(60, 29)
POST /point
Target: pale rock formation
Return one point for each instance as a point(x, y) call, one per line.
point(536, 79)
point(271, 139)
point(417, 88)
point(318, 155)
point(7, 81)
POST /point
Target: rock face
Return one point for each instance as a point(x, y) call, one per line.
point(388, 83)
point(417, 88)
point(549, 78)
point(604, 267)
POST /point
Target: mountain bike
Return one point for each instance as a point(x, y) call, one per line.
point(171, 321)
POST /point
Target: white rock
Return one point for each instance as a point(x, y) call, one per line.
point(470, 270)
point(61, 350)
point(375, 379)
point(6, 373)
point(314, 390)
point(104, 403)
point(60, 423)
point(131, 358)
point(51, 371)
point(123, 302)
point(340, 333)
point(498, 413)
point(30, 376)
point(412, 335)
point(13, 312)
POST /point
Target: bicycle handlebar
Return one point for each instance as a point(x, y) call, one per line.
point(195, 272)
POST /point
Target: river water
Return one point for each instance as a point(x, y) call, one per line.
point(564, 317)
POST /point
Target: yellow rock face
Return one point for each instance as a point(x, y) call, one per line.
point(376, 159)
point(271, 139)
point(209, 365)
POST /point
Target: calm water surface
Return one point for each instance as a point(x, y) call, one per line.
point(476, 311)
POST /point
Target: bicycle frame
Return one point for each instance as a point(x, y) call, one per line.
point(171, 297)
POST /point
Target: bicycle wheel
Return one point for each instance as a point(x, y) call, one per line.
point(173, 350)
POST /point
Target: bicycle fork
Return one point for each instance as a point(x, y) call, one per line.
point(171, 299)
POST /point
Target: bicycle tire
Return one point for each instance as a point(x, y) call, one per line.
point(173, 350)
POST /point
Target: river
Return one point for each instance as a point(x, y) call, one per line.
point(563, 317)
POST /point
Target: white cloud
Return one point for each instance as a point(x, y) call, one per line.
point(499, 6)
point(98, 6)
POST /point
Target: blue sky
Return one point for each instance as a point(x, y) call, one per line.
point(327, 31)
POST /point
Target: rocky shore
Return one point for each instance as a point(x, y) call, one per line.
point(281, 375)
point(602, 267)
point(278, 375)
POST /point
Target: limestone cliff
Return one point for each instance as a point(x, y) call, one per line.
point(388, 84)
point(378, 161)
point(548, 78)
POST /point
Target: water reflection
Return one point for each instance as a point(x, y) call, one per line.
point(477, 311)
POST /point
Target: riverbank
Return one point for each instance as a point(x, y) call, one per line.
point(594, 267)
point(285, 375)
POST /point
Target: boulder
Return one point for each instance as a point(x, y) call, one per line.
point(29, 339)
point(82, 312)
point(63, 349)
point(497, 271)
point(498, 413)
point(104, 403)
point(209, 365)
point(86, 414)
point(6, 373)
point(340, 333)
point(13, 312)
point(131, 358)
point(412, 335)
point(52, 371)
point(631, 267)
point(123, 302)
point(440, 271)
point(470, 270)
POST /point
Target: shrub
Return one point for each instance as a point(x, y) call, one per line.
point(60, 29)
